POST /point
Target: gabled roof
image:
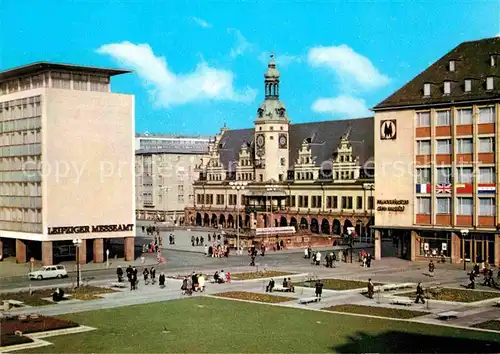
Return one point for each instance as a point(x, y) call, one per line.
point(325, 138)
point(472, 61)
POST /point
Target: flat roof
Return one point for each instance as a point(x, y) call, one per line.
point(44, 65)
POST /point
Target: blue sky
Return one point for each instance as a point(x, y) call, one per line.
point(200, 64)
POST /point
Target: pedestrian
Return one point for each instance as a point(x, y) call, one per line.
point(161, 280)
point(319, 289)
point(318, 258)
point(192, 241)
point(152, 272)
point(133, 282)
point(432, 266)
point(206, 250)
point(145, 273)
point(129, 273)
point(420, 294)
point(306, 253)
point(119, 274)
point(369, 260)
point(371, 288)
point(197, 241)
point(252, 259)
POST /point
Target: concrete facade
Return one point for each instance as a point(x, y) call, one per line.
point(437, 158)
point(76, 152)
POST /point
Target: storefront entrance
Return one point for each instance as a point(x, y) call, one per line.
point(478, 248)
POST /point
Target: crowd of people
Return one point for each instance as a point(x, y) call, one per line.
point(132, 276)
point(488, 277)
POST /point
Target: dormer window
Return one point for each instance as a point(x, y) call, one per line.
point(427, 89)
point(493, 60)
point(451, 65)
point(468, 85)
point(447, 87)
point(489, 83)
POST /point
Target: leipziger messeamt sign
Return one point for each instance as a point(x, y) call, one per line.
point(89, 229)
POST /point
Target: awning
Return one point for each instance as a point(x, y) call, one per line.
point(275, 230)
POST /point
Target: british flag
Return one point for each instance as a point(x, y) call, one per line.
point(443, 188)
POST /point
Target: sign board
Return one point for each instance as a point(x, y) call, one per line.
point(444, 246)
point(388, 129)
point(426, 246)
point(397, 205)
point(85, 229)
point(275, 230)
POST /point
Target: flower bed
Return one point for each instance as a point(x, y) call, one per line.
point(260, 275)
point(243, 295)
point(37, 297)
point(458, 295)
point(337, 284)
point(8, 326)
point(12, 339)
point(377, 311)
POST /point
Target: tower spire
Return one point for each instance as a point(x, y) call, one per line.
point(272, 79)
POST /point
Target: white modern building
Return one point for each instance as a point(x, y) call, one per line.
point(66, 161)
point(165, 173)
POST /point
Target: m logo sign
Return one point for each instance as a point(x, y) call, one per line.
point(388, 129)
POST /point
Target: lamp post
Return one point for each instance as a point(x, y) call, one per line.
point(238, 186)
point(77, 243)
point(464, 233)
point(271, 189)
point(165, 203)
point(350, 230)
point(370, 187)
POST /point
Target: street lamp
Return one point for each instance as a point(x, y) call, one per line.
point(238, 186)
point(350, 230)
point(77, 243)
point(464, 233)
point(271, 189)
point(165, 204)
point(370, 187)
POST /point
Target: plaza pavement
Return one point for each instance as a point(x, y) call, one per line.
point(388, 271)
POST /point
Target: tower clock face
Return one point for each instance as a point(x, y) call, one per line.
point(260, 140)
point(282, 141)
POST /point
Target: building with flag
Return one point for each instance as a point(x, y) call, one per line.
point(442, 128)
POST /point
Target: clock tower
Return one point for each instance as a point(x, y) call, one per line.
point(271, 131)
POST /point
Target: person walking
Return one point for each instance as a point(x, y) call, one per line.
point(319, 289)
point(432, 266)
point(145, 273)
point(152, 272)
point(161, 280)
point(371, 288)
point(420, 294)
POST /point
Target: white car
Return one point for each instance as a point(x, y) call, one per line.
point(48, 272)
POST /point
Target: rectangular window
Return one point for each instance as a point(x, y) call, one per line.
point(489, 83)
point(443, 175)
point(486, 115)
point(335, 202)
point(292, 201)
point(464, 146)
point(328, 202)
point(370, 203)
point(427, 89)
point(423, 119)
point(443, 205)
point(443, 146)
point(344, 202)
point(464, 116)
point(359, 202)
point(486, 175)
point(305, 201)
point(423, 175)
point(180, 198)
point(486, 145)
point(423, 205)
point(451, 66)
point(423, 147)
point(468, 85)
point(447, 88)
point(464, 175)
point(487, 207)
point(464, 206)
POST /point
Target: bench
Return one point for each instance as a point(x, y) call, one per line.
point(119, 285)
point(309, 300)
point(280, 288)
point(16, 303)
point(401, 301)
point(444, 316)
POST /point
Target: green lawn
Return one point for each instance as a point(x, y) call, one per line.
point(458, 295)
point(199, 324)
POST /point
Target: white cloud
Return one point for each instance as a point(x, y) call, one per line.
point(342, 105)
point(281, 59)
point(242, 44)
point(201, 22)
point(167, 88)
point(348, 65)
point(498, 35)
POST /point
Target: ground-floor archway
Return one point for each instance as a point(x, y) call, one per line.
point(293, 222)
point(206, 220)
point(337, 228)
point(198, 219)
point(283, 221)
point(303, 224)
point(314, 226)
point(325, 227)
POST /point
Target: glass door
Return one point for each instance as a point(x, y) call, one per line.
point(479, 252)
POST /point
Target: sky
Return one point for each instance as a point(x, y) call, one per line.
point(199, 64)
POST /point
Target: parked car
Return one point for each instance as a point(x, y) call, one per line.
point(48, 272)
